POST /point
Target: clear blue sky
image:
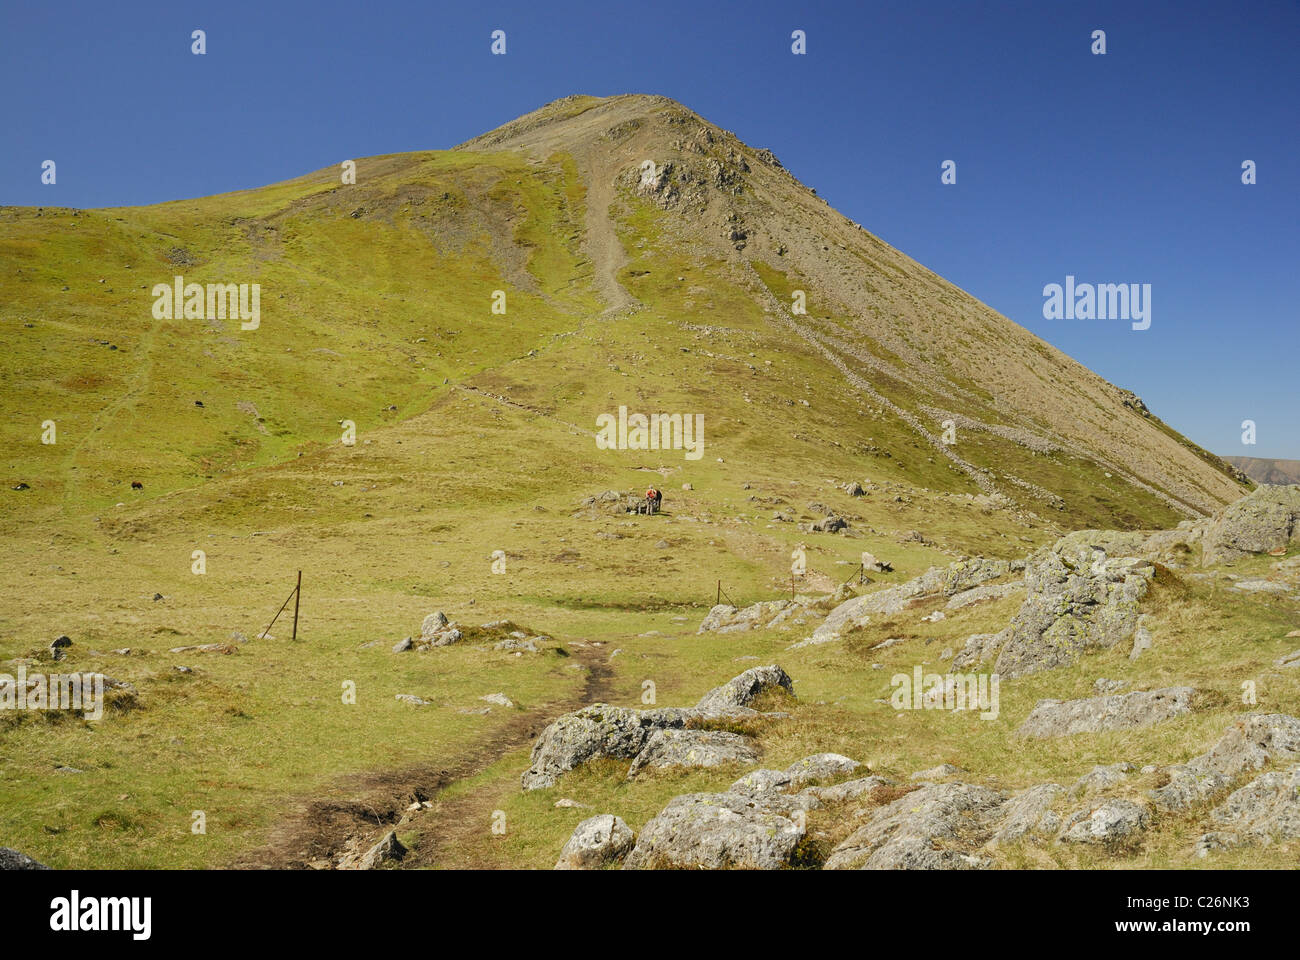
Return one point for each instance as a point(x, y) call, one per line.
point(1117, 168)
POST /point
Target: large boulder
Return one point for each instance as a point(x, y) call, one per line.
point(1061, 718)
point(740, 691)
point(935, 827)
point(717, 831)
point(595, 843)
point(599, 730)
point(1265, 519)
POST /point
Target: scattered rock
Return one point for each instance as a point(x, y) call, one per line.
point(500, 699)
point(595, 843)
point(387, 850)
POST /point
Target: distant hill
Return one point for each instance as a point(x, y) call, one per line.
point(1264, 470)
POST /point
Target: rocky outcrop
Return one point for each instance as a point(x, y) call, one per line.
point(932, 828)
point(741, 690)
point(595, 843)
point(937, 581)
point(1265, 519)
point(1061, 718)
point(717, 831)
point(1079, 598)
point(1109, 821)
point(1245, 747)
point(771, 614)
point(601, 730)
point(693, 748)
point(1266, 809)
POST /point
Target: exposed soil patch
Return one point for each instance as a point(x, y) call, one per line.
point(366, 805)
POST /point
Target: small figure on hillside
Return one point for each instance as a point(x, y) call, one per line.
point(137, 485)
point(654, 499)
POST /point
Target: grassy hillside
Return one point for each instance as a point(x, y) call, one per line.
point(474, 434)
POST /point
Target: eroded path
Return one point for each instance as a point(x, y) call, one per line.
point(361, 808)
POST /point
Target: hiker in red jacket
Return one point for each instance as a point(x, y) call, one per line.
point(654, 499)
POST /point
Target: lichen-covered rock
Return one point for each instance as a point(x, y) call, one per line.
point(976, 650)
point(1108, 822)
point(693, 748)
point(716, 831)
point(1246, 746)
point(740, 691)
point(600, 730)
point(819, 767)
point(1078, 598)
point(1061, 718)
point(848, 790)
point(1101, 778)
point(1265, 519)
point(1266, 809)
point(937, 827)
point(1029, 812)
point(595, 843)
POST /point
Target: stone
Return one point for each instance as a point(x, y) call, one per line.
point(1263, 520)
point(411, 699)
point(500, 699)
point(599, 730)
point(1062, 718)
point(693, 748)
point(1266, 809)
point(1109, 822)
point(595, 843)
point(402, 646)
point(1104, 686)
point(434, 623)
point(13, 860)
point(1029, 812)
point(517, 645)
point(387, 850)
point(1246, 746)
point(930, 828)
point(818, 767)
point(741, 690)
point(1078, 598)
point(716, 831)
point(1101, 778)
